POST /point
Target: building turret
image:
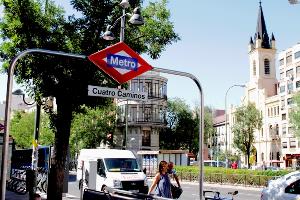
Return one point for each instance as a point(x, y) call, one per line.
point(272, 41)
point(251, 45)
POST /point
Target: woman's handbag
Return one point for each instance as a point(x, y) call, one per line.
point(176, 191)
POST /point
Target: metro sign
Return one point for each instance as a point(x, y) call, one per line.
point(120, 62)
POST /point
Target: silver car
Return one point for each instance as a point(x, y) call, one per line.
point(286, 187)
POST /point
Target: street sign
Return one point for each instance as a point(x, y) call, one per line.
point(120, 62)
point(117, 93)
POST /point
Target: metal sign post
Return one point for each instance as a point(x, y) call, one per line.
point(8, 110)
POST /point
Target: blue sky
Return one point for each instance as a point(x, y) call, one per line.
point(214, 42)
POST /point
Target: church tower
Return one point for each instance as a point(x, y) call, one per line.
point(262, 52)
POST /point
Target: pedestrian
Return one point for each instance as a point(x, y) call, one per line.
point(176, 191)
point(172, 172)
point(234, 165)
point(162, 181)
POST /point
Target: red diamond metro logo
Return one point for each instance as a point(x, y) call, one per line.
point(120, 62)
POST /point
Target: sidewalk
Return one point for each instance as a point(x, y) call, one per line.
point(14, 196)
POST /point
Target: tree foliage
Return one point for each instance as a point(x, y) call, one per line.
point(295, 114)
point(247, 120)
point(92, 127)
point(34, 24)
point(182, 130)
point(22, 129)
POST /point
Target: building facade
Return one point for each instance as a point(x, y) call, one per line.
point(275, 142)
point(144, 118)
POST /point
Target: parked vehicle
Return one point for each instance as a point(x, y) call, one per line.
point(214, 163)
point(286, 187)
point(215, 195)
point(119, 169)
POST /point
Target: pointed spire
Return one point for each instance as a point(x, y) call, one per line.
point(273, 38)
point(261, 29)
point(251, 41)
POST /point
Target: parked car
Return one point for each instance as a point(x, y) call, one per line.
point(214, 163)
point(286, 187)
point(273, 168)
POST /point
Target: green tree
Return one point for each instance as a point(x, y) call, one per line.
point(92, 127)
point(248, 119)
point(182, 131)
point(32, 24)
point(295, 114)
point(22, 128)
point(176, 115)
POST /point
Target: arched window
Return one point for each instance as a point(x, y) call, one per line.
point(254, 68)
point(267, 66)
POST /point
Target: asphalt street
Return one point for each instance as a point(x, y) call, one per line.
point(191, 190)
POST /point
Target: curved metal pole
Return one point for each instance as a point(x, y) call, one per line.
point(201, 120)
point(8, 107)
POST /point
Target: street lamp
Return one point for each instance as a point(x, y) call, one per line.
point(226, 120)
point(135, 19)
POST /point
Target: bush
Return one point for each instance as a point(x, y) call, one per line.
point(231, 176)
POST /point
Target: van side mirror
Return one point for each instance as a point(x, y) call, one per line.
point(145, 171)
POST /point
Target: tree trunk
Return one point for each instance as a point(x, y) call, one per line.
point(248, 158)
point(58, 157)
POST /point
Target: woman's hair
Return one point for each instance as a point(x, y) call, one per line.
point(160, 166)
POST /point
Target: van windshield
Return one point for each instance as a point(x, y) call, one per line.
point(122, 165)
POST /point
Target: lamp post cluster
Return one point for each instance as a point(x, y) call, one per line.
point(226, 119)
point(135, 19)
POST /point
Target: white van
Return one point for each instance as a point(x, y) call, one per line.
point(111, 167)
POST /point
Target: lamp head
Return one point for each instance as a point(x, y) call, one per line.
point(124, 4)
point(18, 92)
point(108, 35)
point(136, 18)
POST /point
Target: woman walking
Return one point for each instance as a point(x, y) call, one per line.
point(162, 181)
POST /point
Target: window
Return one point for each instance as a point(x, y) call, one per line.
point(289, 74)
point(293, 188)
point(297, 84)
point(297, 55)
point(267, 66)
point(284, 145)
point(282, 104)
point(298, 71)
point(283, 129)
point(277, 129)
point(290, 87)
point(146, 138)
point(293, 144)
point(281, 75)
point(281, 62)
point(289, 101)
point(289, 59)
point(254, 68)
point(282, 89)
point(284, 116)
point(100, 167)
point(291, 130)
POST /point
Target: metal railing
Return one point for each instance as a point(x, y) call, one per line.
point(232, 179)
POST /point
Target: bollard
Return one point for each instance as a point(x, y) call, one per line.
point(31, 183)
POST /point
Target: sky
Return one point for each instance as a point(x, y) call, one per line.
point(214, 45)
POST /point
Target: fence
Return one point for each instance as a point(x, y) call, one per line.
point(233, 179)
